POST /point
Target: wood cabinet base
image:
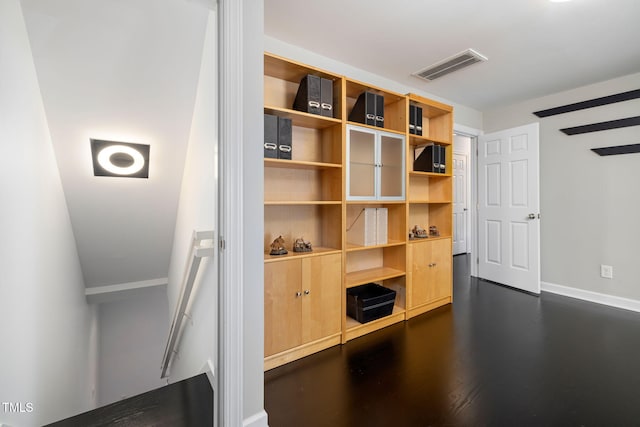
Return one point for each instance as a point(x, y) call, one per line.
point(421, 309)
point(356, 329)
point(287, 356)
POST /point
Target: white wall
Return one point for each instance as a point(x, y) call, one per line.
point(132, 334)
point(589, 204)
point(463, 115)
point(197, 211)
point(48, 343)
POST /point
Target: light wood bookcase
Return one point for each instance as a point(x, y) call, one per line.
point(430, 202)
point(307, 196)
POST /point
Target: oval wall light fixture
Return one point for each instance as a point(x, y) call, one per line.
point(120, 159)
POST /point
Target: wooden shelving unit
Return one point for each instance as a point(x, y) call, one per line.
point(430, 203)
point(309, 196)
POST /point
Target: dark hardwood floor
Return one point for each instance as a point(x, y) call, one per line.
point(187, 403)
point(496, 357)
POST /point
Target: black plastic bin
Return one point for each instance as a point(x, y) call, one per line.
point(369, 302)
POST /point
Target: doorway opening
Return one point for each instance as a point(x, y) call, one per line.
point(465, 234)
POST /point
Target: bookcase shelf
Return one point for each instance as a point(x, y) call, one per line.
point(426, 202)
point(317, 251)
point(371, 275)
point(302, 119)
point(355, 329)
point(282, 78)
point(375, 128)
point(395, 105)
point(422, 140)
point(302, 202)
point(430, 174)
point(353, 247)
point(293, 164)
point(309, 196)
point(430, 238)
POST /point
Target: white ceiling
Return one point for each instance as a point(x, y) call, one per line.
point(124, 70)
point(535, 47)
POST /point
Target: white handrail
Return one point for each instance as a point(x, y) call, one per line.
point(196, 253)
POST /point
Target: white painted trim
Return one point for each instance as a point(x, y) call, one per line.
point(120, 291)
point(231, 282)
point(598, 298)
point(257, 420)
point(466, 130)
point(209, 369)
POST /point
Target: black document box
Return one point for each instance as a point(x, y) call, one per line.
point(428, 160)
point(368, 109)
point(370, 302)
point(284, 138)
point(443, 159)
point(326, 97)
point(270, 136)
point(308, 96)
point(415, 120)
point(418, 121)
point(412, 119)
point(432, 159)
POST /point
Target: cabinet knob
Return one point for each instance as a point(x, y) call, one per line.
point(298, 294)
point(433, 264)
point(307, 291)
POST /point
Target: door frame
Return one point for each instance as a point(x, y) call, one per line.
point(473, 193)
point(240, 347)
point(467, 185)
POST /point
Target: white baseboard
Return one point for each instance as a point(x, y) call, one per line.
point(209, 369)
point(598, 298)
point(257, 420)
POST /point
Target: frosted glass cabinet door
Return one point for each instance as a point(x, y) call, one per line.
point(375, 169)
point(391, 166)
point(361, 177)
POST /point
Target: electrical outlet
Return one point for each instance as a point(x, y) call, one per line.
point(606, 271)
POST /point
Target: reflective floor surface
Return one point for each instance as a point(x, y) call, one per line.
point(495, 357)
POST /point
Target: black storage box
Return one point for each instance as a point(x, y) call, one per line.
point(308, 97)
point(369, 302)
point(270, 136)
point(368, 109)
point(284, 138)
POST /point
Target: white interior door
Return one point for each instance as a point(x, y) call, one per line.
point(460, 209)
point(508, 208)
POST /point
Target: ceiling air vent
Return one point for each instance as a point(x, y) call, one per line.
point(449, 65)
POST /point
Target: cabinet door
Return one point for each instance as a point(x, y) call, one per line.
point(391, 166)
point(361, 168)
point(440, 277)
point(282, 306)
point(321, 299)
point(431, 271)
point(375, 165)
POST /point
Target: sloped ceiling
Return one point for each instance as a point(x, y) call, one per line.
point(535, 47)
point(123, 70)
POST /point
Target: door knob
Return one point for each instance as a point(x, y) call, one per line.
point(532, 216)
